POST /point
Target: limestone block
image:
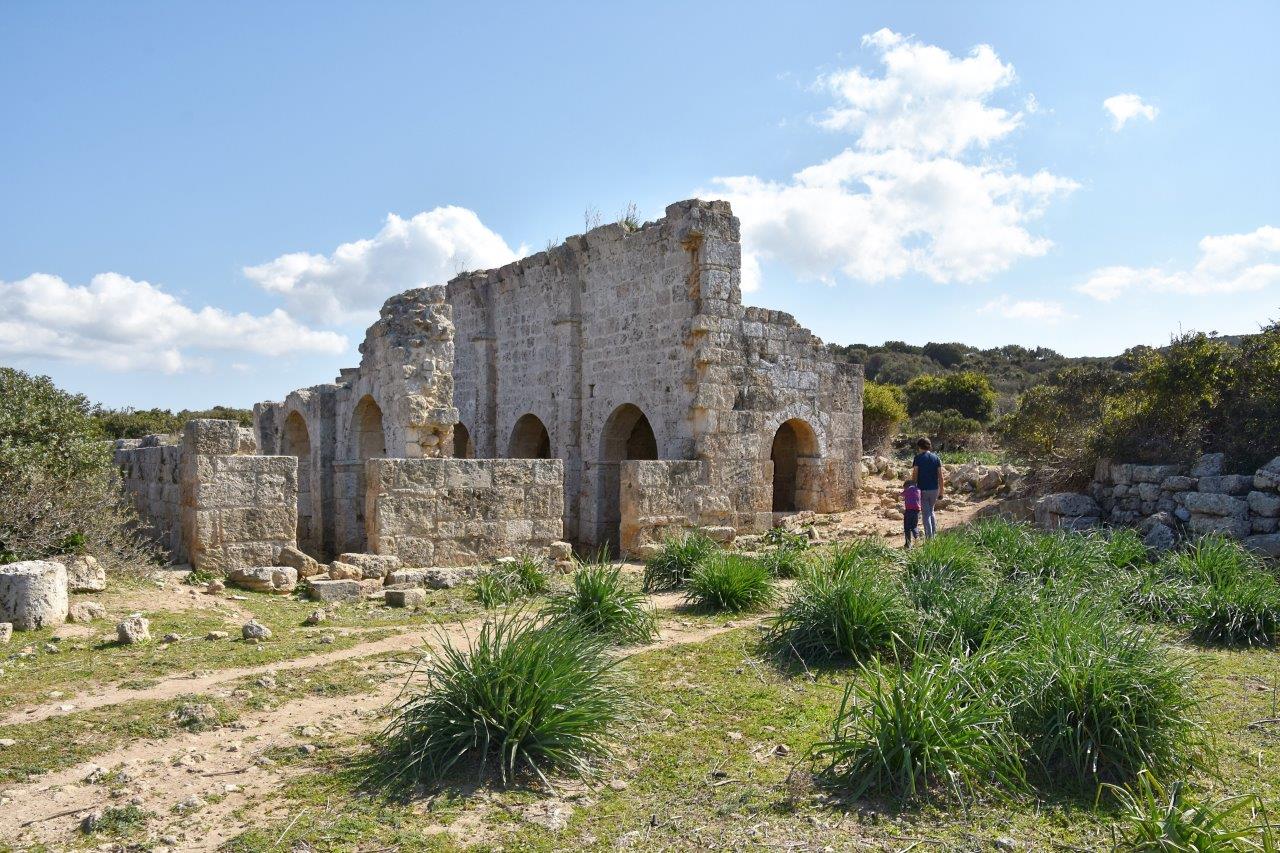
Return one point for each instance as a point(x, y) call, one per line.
point(1204, 503)
point(294, 558)
point(344, 571)
point(332, 591)
point(86, 611)
point(1268, 476)
point(1264, 503)
point(134, 628)
point(1155, 473)
point(1178, 484)
point(370, 565)
point(208, 437)
point(1068, 505)
point(255, 631)
point(410, 597)
point(84, 573)
point(1237, 527)
point(1258, 524)
point(1148, 491)
point(33, 594)
point(1267, 544)
point(560, 551)
point(1227, 484)
point(280, 579)
point(1209, 465)
point(722, 535)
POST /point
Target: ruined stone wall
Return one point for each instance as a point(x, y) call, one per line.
point(666, 499)
point(150, 472)
point(456, 512)
point(652, 318)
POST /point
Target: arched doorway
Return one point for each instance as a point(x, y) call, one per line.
point(369, 442)
point(529, 439)
point(794, 448)
point(463, 446)
point(295, 440)
point(627, 435)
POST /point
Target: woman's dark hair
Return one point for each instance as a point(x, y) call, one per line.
point(924, 444)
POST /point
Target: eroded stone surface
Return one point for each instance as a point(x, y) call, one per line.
point(33, 594)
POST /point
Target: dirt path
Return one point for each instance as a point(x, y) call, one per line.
point(194, 783)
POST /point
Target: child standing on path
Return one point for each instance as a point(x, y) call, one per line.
point(910, 511)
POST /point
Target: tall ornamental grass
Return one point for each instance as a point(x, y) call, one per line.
point(730, 582)
point(602, 602)
point(677, 561)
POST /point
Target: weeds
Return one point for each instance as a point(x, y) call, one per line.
point(603, 603)
point(679, 557)
point(1159, 820)
point(730, 582)
point(511, 580)
point(856, 612)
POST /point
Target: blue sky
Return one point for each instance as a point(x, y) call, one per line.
point(176, 179)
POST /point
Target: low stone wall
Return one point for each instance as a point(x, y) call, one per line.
point(669, 498)
point(209, 500)
point(1163, 500)
point(461, 512)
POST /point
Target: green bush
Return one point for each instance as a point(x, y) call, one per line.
point(602, 602)
point(931, 725)
point(1096, 701)
point(1154, 819)
point(510, 580)
point(968, 393)
point(527, 695)
point(855, 610)
point(135, 423)
point(59, 491)
point(884, 409)
point(949, 430)
point(786, 556)
point(679, 557)
point(730, 582)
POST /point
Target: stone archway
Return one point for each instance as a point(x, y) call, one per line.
point(369, 441)
point(627, 435)
point(529, 439)
point(463, 446)
point(295, 440)
point(794, 452)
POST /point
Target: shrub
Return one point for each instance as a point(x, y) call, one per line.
point(602, 602)
point(786, 557)
point(59, 491)
point(680, 556)
point(1244, 611)
point(510, 580)
point(1096, 701)
point(884, 409)
point(528, 695)
point(929, 725)
point(949, 429)
point(967, 393)
point(856, 611)
point(1159, 820)
point(730, 582)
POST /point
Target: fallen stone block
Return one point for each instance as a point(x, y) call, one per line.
point(84, 573)
point(294, 558)
point(560, 551)
point(33, 594)
point(1215, 503)
point(1267, 544)
point(430, 578)
point(333, 591)
point(410, 597)
point(370, 565)
point(86, 611)
point(134, 628)
point(344, 572)
point(279, 579)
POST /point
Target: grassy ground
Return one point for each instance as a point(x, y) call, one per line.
point(37, 664)
point(714, 760)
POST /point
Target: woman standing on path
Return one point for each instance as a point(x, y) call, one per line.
point(926, 470)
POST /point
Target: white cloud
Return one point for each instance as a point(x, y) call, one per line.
point(118, 323)
point(910, 196)
point(1126, 106)
point(1025, 309)
point(350, 284)
point(1228, 263)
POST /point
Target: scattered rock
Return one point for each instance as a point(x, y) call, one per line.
point(255, 631)
point(619, 784)
point(33, 594)
point(90, 822)
point(171, 638)
point(412, 597)
point(315, 617)
point(1160, 538)
point(214, 587)
point(294, 558)
point(327, 639)
point(369, 565)
point(195, 715)
point(6, 632)
point(189, 805)
point(84, 573)
point(560, 551)
point(330, 591)
point(134, 628)
point(216, 635)
point(6, 742)
point(84, 612)
point(281, 579)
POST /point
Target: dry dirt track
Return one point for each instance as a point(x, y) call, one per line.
point(225, 763)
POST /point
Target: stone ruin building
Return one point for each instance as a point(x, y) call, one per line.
point(610, 392)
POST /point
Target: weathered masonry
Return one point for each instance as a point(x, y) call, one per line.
point(612, 391)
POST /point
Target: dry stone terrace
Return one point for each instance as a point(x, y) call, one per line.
point(610, 391)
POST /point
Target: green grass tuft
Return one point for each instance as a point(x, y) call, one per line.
point(730, 582)
point(528, 695)
point(1158, 820)
point(679, 558)
point(511, 580)
point(603, 602)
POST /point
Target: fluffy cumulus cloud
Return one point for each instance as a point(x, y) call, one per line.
point(916, 192)
point(1033, 310)
point(1128, 106)
point(118, 323)
point(1228, 263)
point(350, 284)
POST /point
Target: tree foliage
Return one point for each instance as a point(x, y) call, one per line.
point(968, 392)
point(884, 409)
point(135, 423)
